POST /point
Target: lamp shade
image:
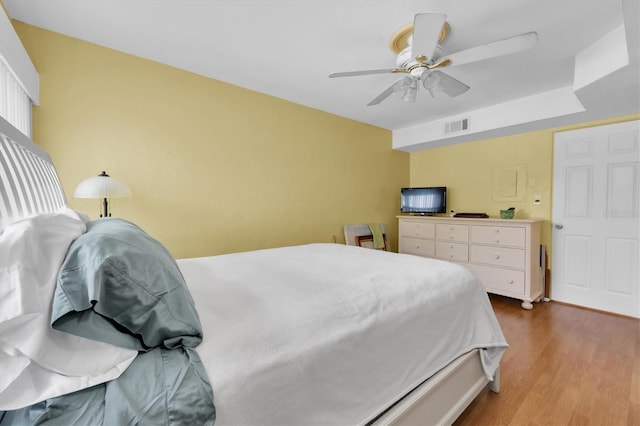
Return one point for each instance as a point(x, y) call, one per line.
point(102, 186)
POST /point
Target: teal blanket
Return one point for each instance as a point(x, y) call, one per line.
point(160, 387)
point(118, 285)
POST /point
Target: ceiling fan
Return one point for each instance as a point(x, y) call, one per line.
point(422, 57)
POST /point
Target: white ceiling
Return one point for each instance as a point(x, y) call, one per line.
point(287, 48)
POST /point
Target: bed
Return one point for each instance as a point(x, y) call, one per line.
point(310, 334)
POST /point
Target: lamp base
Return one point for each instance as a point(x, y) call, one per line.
point(105, 208)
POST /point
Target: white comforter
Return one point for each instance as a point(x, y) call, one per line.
point(331, 334)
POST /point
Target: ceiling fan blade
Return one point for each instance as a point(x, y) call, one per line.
point(497, 48)
point(387, 92)
point(445, 83)
point(365, 72)
point(426, 33)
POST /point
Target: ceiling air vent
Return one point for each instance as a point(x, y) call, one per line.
point(457, 126)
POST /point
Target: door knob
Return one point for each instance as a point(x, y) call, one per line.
point(558, 226)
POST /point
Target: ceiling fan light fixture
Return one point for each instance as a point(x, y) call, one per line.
point(402, 86)
point(411, 93)
point(431, 82)
point(400, 90)
point(410, 96)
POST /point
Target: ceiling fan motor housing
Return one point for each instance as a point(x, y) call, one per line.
point(405, 60)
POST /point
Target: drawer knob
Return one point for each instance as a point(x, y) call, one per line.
point(497, 230)
point(451, 237)
point(497, 240)
point(496, 256)
point(509, 281)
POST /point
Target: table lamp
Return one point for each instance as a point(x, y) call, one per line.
point(102, 186)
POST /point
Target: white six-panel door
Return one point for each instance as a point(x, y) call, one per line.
point(596, 222)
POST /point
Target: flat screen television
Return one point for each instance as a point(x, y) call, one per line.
point(425, 201)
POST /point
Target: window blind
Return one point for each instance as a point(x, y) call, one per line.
point(15, 105)
point(19, 81)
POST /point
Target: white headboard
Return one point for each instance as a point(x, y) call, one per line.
point(29, 183)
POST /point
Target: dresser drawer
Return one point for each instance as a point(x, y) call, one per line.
point(500, 280)
point(457, 252)
point(452, 232)
point(499, 256)
point(501, 235)
point(425, 248)
point(417, 229)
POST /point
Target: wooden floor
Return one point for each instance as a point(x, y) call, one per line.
point(565, 366)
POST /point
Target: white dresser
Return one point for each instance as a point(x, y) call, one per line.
point(503, 253)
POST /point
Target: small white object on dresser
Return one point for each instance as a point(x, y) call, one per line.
point(503, 253)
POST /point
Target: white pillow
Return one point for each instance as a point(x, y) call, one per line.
point(36, 361)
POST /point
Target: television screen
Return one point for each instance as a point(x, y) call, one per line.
point(429, 200)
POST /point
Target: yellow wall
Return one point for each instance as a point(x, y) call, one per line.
point(466, 170)
point(214, 168)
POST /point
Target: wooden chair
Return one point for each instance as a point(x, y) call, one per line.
point(361, 235)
